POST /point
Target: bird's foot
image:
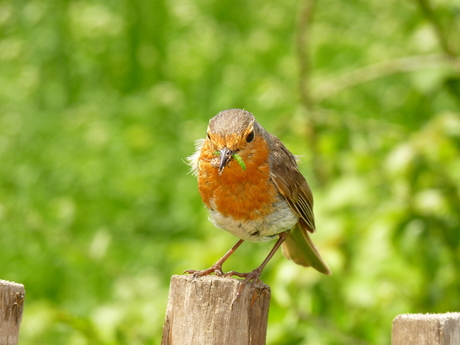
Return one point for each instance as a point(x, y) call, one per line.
point(216, 269)
point(253, 275)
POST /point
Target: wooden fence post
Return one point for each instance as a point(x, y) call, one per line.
point(11, 306)
point(200, 311)
point(426, 329)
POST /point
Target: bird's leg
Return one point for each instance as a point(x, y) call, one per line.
point(217, 267)
point(258, 271)
point(255, 274)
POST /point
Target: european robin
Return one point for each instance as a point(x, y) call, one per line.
point(251, 185)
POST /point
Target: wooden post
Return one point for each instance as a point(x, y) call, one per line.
point(11, 306)
point(426, 329)
point(201, 311)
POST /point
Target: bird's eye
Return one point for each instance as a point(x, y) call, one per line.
point(250, 137)
point(209, 137)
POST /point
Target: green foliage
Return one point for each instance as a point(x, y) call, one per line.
point(101, 101)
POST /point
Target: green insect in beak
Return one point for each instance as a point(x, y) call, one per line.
point(236, 157)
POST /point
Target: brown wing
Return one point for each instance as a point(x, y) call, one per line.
point(298, 246)
point(291, 183)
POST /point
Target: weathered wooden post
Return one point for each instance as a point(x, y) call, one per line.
point(11, 306)
point(201, 311)
point(426, 329)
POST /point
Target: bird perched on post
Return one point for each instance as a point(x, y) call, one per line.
point(252, 188)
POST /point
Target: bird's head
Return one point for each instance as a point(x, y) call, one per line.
point(233, 134)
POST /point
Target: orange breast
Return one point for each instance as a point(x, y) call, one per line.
point(243, 195)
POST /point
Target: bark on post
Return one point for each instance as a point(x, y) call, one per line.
point(11, 306)
point(200, 311)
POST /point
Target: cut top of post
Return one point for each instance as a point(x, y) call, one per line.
point(11, 306)
point(426, 329)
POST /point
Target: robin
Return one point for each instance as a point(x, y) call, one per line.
point(252, 188)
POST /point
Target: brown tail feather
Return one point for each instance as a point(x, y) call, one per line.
point(299, 248)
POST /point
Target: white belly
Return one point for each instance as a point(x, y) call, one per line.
point(259, 230)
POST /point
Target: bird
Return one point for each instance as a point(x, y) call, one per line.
point(251, 185)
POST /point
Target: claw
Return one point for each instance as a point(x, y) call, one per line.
point(216, 269)
point(253, 275)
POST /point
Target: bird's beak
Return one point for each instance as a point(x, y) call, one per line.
point(225, 157)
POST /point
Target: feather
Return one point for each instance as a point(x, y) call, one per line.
point(291, 184)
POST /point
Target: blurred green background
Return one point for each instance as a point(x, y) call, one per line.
point(100, 104)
